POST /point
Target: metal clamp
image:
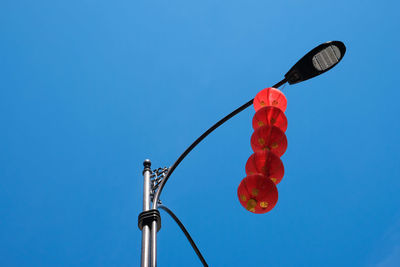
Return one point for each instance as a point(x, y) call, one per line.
point(148, 217)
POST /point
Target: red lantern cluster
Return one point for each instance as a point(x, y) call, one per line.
point(257, 192)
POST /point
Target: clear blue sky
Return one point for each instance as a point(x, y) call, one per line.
point(89, 89)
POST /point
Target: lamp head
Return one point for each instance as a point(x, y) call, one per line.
point(319, 60)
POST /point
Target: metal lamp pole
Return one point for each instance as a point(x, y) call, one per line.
point(150, 220)
point(146, 206)
point(319, 60)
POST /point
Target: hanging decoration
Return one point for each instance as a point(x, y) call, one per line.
point(266, 163)
point(269, 138)
point(270, 97)
point(257, 192)
point(270, 116)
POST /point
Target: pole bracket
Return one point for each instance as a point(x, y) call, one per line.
point(148, 217)
point(156, 177)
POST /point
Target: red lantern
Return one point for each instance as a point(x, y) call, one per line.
point(270, 97)
point(269, 138)
point(271, 116)
point(257, 194)
point(266, 163)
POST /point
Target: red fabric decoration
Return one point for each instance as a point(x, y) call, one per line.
point(257, 194)
point(269, 138)
point(266, 163)
point(271, 116)
point(270, 97)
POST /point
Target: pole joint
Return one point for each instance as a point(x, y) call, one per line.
point(148, 217)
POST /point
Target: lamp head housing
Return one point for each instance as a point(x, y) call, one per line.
point(319, 60)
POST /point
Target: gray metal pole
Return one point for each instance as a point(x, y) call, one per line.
point(146, 206)
point(154, 244)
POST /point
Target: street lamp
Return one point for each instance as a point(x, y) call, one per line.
point(319, 60)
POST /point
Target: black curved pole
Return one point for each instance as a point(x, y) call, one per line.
point(198, 140)
point(189, 238)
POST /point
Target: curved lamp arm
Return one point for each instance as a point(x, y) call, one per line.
point(198, 140)
point(189, 238)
